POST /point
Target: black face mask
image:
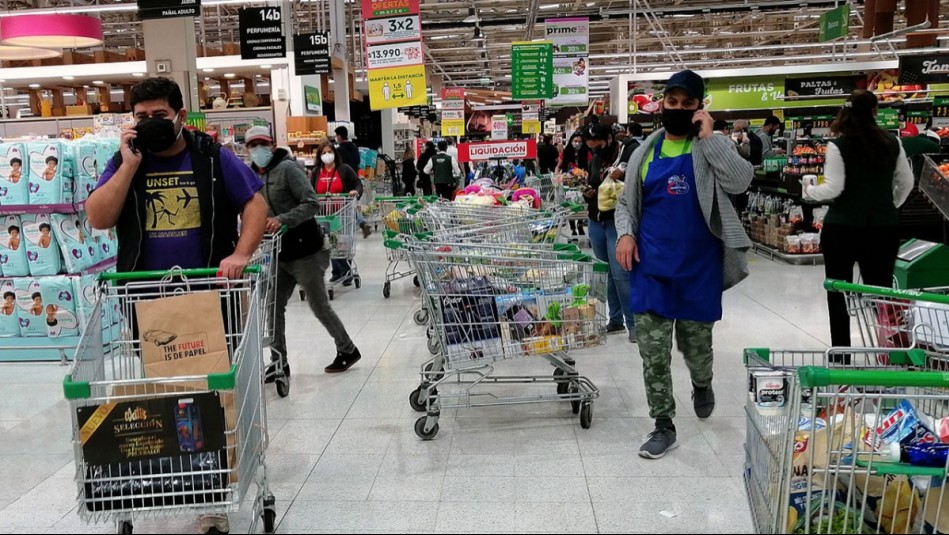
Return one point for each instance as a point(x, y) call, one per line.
point(677, 122)
point(156, 135)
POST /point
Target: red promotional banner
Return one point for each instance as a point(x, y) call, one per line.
point(386, 8)
point(494, 150)
point(453, 93)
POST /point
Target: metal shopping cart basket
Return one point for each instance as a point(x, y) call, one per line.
point(492, 303)
point(338, 218)
point(400, 218)
point(544, 186)
point(107, 385)
point(822, 443)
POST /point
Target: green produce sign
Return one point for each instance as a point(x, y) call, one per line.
point(745, 93)
point(835, 24)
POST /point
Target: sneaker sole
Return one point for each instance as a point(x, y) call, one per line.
point(646, 455)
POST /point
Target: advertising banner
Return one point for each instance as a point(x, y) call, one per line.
point(924, 69)
point(398, 86)
point(744, 93)
point(488, 150)
point(453, 111)
point(393, 29)
point(372, 9)
point(499, 127)
point(404, 54)
point(571, 45)
point(394, 54)
point(823, 86)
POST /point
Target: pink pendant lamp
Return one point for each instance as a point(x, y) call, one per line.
point(51, 31)
point(16, 53)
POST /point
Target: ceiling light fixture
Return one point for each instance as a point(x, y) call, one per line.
point(230, 75)
point(51, 31)
point(138, 74)
point(35, 86)
point(265, 66)
point(12, 53)
point(208, 70)
point(69, 77)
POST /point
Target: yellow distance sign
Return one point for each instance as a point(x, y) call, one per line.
point(397, 86)
point(453, 127)
point(531, 126)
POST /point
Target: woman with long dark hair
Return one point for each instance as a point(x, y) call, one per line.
point(575, 155)
point(868, 177)
point(409, 172)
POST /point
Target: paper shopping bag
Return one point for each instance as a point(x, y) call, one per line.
point(182, 335)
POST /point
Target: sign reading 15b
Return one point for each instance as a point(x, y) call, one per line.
point(270, 14)
point(319, 39)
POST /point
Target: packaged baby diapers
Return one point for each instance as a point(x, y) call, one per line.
point(8, 317)
point(86, 173)
point(50, 175)
point(13, 261)
point(14, 174)
point(84, 291)
point(59, 306)
point(29, 304)
point(74, 242)
point(42, 248)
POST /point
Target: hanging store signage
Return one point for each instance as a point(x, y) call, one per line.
point(835, 24)
point(261, 33)
point(393, 29)
point(453, 111)
point(311, 53)
point(168, 9)
point(823, 86)
point(372, 9)
point(744, 93)
point(532, 70)
point(888, 118)
point(399, 86)
point(493, 150)
point(499, 127)
point(530, 118)
point(314, 99)
point(394, 55)
point(924, 69)
point(571, 47)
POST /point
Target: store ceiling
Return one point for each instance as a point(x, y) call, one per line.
point(702, 34)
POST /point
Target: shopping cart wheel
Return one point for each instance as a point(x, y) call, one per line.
point(432, 374)
point(283, 387)
point(386, 288)
point(332, 294)
point(433, 346)
point(421, 316)
point(358, 282)
point(415, 401)
point(573, 389)
point(586, 414)
point(416, 282)
point(270, 520)
point(420, 429)
point(124, 527)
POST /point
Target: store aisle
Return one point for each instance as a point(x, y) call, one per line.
point(344, 456)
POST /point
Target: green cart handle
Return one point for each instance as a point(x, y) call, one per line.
point(883, 468)
point(392, 244)
point(160, 274)
point(572, 206)
point(915, 295)
point(816, 377)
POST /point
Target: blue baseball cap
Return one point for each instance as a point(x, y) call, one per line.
point(688, 81)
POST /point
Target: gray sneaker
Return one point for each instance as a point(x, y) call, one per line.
point(660, 441)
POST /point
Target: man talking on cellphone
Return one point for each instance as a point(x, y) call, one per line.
point(683, 244)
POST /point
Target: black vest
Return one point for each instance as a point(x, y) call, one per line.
point(867, 199)
point(442, 170)
point(218, 218)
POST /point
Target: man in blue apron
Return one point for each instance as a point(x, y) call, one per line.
point(683, 244)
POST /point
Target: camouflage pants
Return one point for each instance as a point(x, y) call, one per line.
point(655, 347)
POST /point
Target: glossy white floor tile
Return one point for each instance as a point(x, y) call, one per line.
point(344, 457)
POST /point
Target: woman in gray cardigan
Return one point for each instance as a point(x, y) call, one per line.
point(683, 244)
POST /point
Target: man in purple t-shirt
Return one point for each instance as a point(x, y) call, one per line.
point(174, 196)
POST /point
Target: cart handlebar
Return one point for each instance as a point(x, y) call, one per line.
point(151, 275)
point(816, 377)
point(914, 295)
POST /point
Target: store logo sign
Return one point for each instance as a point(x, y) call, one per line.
point(934, 67)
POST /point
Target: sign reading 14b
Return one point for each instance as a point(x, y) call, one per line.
point(271, 14)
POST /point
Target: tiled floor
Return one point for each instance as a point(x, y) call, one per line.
point(344, 457)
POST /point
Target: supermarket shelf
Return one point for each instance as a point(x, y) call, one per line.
point(793, 259)
point(19, 209)
point(105, 265)
point(42, 349)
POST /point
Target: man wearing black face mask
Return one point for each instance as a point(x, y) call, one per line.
point(684, 245)
point(175, 196)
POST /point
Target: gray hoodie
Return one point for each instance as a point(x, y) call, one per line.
point(290, 196)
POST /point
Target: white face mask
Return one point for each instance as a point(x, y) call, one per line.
point(328, 158)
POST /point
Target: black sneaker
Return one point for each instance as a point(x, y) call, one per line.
point(614, 328)
point(703, 400)
point(660, 441)
point(343, 362)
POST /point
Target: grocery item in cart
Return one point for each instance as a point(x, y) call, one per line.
point(8, 314)
point(469, 310)
point(14, 174)
point(42, 247)
point(59, 302)
point(30, 311)
point(13, 260)
point(77, 247)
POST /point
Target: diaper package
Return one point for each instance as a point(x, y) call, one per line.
point(29, 304)
point(42, 248)
point(105, 151)
point(59, 306)
point(74, 242)
point(84, 292)
point(8, 317)
point(106, 242)
point(89, 237)
point(50, 175)
point(13, 262)
point(14, 174)
point(86, 172)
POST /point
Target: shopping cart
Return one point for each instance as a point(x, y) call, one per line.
point(491, 303)
point(889, 317)
point(110, 372)
point(338, 218)
point(544, 186)
point(400, 218)
point(822, 453)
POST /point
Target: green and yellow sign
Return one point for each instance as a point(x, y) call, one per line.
point(835, 24)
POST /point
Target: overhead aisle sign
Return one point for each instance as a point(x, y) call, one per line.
point(492, 150)
point(394, 54)
point(571, 46)
point(453, 111)
point(261, 33)
point(168, 9)
point(311, 52)
point(931, 68)
point(532, 70)
point(835, 24)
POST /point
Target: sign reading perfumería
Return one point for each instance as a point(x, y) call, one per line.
point(924, 69)
point(261, 33)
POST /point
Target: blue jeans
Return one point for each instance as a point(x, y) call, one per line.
point(603, 239)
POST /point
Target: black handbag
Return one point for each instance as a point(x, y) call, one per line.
point(301, 241)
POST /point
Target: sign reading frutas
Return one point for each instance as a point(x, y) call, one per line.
point(311, 53)
point(741, 93)
point(532, 70)
point(167, 9)
point(835, 24)
point(489, 150)
point(571, 47)
point(393, 29)
point(372, 9)
point(924, 69)
point(823, 86)
point(261, 32)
